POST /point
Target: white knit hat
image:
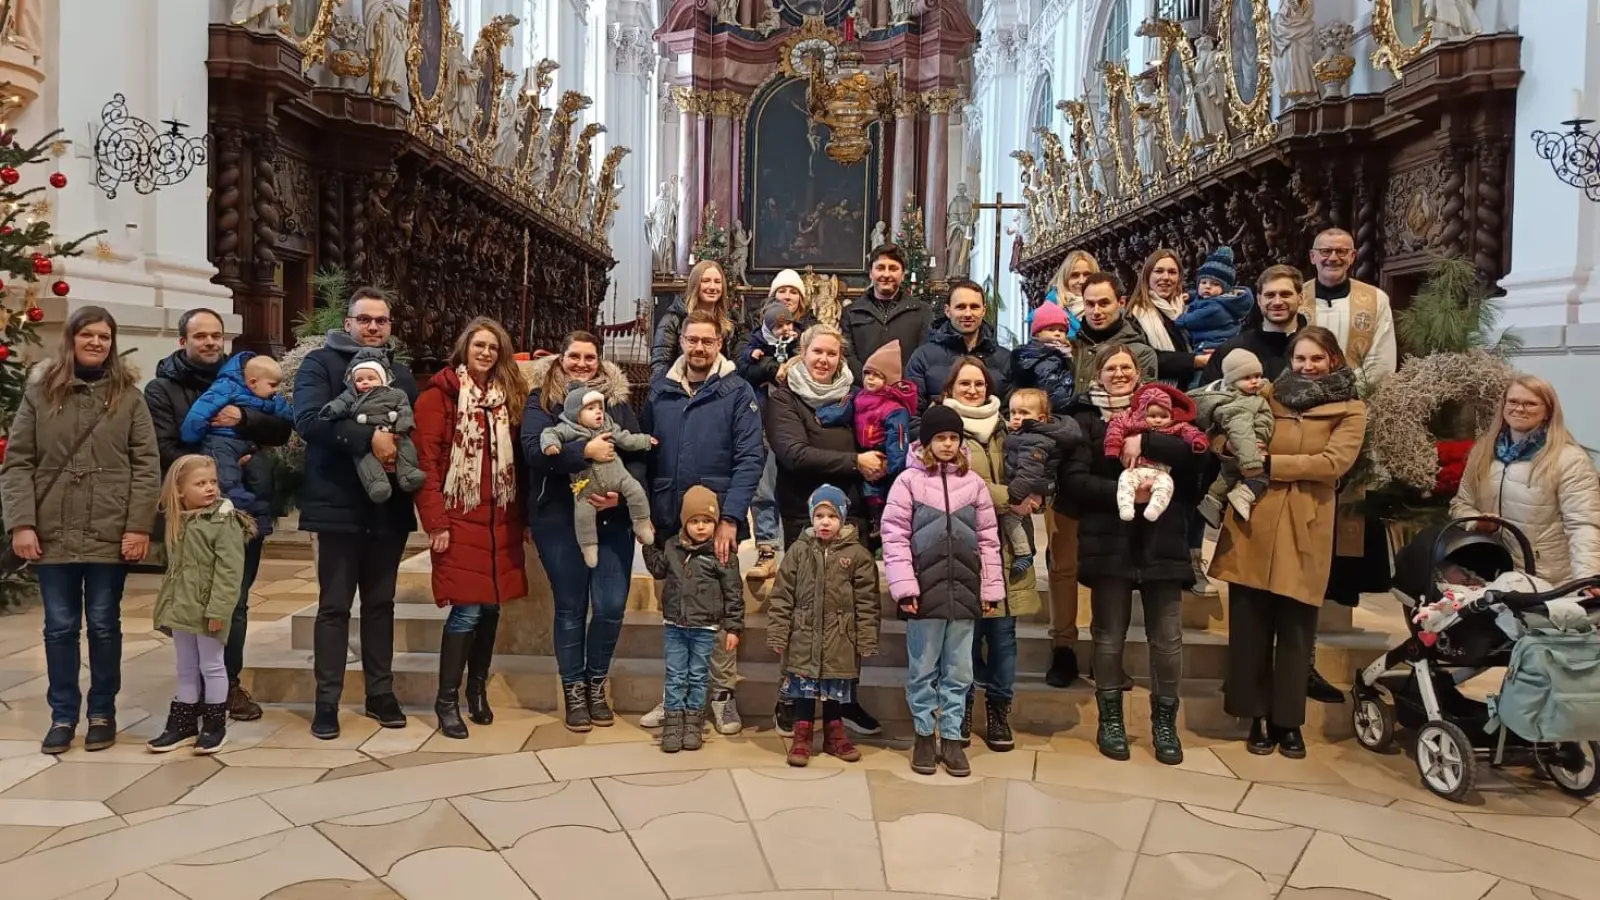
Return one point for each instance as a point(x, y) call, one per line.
point(369, 364)
point(787, 278)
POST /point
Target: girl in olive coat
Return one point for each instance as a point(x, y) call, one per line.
point(205, 565)
point(822, 619)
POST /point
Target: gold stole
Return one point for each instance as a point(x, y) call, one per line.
point(1363, 318)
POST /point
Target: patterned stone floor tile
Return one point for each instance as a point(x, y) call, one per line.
point(451, 873)
point(13, 749)
point(350, 771)
point(632, 758)
point(1589, 817)
point(55, 813)
point(1267, 847)
point(1063, 864)
point(159, 812)
point(1290, 893)
point(509, 732)
point(765, 795)
point(78, 781)
point(78, 832)
point(1332, 861)
point(251, 869)
point(16, 840)
point(545, 860)
point(12, 677)
point(379, 839)
point(1395, 776)
point(371, 889)
point(1120, 820)
point(136, 848)
point(980, 801)
point(348, 796)
point(1559, 834)
point(1431, 812)
point(637, 800)
point(22, 725)
point(1510, 890)
point(1530, 864)
point(130, 750)
point(697, 855)
point(232, 784)
point(555, 735)
point(1196, 876)
point(1088, 769)
point(966, 863)
point(821, 848)
point(412, 760)
point(1204, 760)
point(505, 817)
point(387, 742)
point(354, 730)
point(18, 769)
point(134, 887)
point(262, 757)
point(1275, 768)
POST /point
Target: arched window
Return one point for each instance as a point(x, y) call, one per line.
point(1114, 40)
point(1044, 105)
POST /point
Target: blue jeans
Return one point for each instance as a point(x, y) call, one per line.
point(589, 603)
point(994, 657)
point(463, 618)
point(688, 653)
point(764, 506)
point(73, 592)
point(939, 674)
point(233, 653)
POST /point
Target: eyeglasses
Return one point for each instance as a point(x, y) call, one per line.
point(1335, 252)
point(1524, 405)
point(372, 320)
point(702, 342)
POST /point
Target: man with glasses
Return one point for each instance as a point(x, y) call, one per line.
point(359, 543)
point(1356, 312)
point(708, 428)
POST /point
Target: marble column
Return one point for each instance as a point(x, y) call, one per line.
point(902, 178)
point(689, 104)
point(937, 190)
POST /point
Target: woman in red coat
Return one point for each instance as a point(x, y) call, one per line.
point(466, 437)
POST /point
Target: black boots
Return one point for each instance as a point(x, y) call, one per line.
point(1063, 668)
point(997, 731)
point(966, 719)
point(1291, 743)
point(183, 726)
point(213, 728)
point(599, 710)
point(1261, 741)
point(1112, 735)
point(576, 696)
point(1321, 690)
point(478, 659)
point(453, 650)
point(1164, 730)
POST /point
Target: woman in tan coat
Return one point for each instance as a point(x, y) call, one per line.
point(82, 416)
point(1277, 563)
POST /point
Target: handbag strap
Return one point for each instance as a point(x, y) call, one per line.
point(77, 444)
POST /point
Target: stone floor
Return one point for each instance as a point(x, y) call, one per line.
point(524, 809)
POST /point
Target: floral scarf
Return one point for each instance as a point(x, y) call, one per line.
point(1508, 449)
point(819, 395)
point(1108, 405)
point(1300, 393)
point(463, 488)
point(979, 422)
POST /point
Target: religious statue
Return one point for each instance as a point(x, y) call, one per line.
point(386, 48)
point(822, 292)
point(858, 16)
point(1207, 117)
point(462, 101)
point(727, 12)
point(1455, 20)
point(23, 28)
point(771, 20)
point(661, 227)
point(1294, 38)
point(900, 12)
point(256, 15)
point(880, 234)
point(508, 136)
point(540, 151)
point(738, 254)
point(959, 218)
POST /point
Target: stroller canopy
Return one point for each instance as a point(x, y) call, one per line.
point(1417, 564)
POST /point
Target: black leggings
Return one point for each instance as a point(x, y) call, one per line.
point(805, 710)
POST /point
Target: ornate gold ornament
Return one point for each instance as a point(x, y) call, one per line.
point(428, 109)
point(1391, 52)
point(566, 116)
point(848, 102)
point(488, 55)
point(809, 47)
point(606, 189)
point(1253, 118)
point(1121, 102)
point(578, 169)
point(1176, 55)
point(314, 49)
point(1090, 201)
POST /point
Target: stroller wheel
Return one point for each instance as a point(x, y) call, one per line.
point(1374, 723)
point(1574, 766)
point(1446, 761)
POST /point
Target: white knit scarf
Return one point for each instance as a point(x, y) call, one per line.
point(1153, 319)
point(463, 484)
point(979, 421)
point(816, 395)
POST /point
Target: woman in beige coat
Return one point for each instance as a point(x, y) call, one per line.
point(1528, 470)
point(80, 532)
point(1277, 563)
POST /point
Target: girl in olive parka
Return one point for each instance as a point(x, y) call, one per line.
point(205, 544)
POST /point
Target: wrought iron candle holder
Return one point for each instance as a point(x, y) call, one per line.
point(129, 150)
point(1574, 154)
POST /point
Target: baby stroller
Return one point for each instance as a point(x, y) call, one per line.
point(1468, 609)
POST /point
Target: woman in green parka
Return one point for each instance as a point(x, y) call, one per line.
point(205, 543)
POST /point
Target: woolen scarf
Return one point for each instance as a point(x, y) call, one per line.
point(1300, 393)
point(463, 484)
point(1153, 319)
point(816, 395)
point(1508, 450)
point(980, 421)
point(1108, 405)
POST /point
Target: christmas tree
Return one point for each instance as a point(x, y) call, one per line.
point(914, 242)
point(27, 251)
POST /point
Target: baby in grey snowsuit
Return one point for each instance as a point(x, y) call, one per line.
point(371, 400)
point(583, 417)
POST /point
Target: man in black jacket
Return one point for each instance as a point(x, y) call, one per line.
point(1265, 332)
point(884, 313)
point(359, 543)
point(963, 332)
point(180, 379)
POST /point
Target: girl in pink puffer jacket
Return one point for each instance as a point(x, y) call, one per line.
point(941, 552)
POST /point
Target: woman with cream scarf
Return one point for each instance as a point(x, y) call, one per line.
point(1155, 305)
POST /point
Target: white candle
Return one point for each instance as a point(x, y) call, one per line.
point(1577, 103)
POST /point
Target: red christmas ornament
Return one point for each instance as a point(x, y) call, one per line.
point(42, 265)
point(5, 230)
point(5, 353)
point(58, 180)
point(35, 314)
point(60, 289)
point(9, 174)
point(3, 443)
point(6, 136)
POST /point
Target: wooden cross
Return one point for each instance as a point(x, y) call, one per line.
point(999, 206)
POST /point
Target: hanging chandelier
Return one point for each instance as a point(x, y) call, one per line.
point(846, 99)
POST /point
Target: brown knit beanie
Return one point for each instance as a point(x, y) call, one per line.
point(699, 501)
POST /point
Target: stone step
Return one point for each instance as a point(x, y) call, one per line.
point(287, 542)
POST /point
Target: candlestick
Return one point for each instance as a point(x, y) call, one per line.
point(1577, 103)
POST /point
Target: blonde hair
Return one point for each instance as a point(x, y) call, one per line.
point(61, 369)
point(262, 366)
point(1065, 270)
point(721, 309)
point(1556, 441)
point(172, 493)
point(1036, 399)
point(822, 329)
point(506, 372)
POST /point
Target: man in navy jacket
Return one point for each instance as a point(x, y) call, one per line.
point(963, 332)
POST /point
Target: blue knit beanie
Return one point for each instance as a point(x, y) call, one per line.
point(1219, 268)
point(830, 495)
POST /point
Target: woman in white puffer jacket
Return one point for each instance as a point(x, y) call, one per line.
point(1528, 470)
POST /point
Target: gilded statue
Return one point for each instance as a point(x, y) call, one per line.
point(822, 291)
point(578, 186)
point(386, 49)
point(607, 190)
point(566, 115)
